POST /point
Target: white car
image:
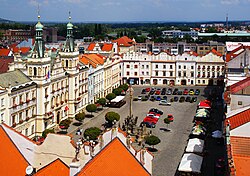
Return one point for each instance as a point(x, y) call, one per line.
point(153, 115)
point(164, 102)
point(139, 97)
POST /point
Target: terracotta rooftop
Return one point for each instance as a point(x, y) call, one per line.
point(113, 160)
point(4, 64)
point(91, 46)
point(124, 41)
point(214, 51)
point(107, 47)
point(4, 52)
point(55, 168)
point(236, 52)
point(93, 59)
point(239, 119)
point(240, 85)
point(12, 161)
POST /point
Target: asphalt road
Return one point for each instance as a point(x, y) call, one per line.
point(173, 143)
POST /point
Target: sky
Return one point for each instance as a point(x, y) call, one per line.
point(125, 10)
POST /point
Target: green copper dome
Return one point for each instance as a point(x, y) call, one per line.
point(39, 25)
point(70, 25)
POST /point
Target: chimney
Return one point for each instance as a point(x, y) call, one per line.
point(74, 168)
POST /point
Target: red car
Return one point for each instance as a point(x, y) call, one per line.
point(171, 117)
point(185, 92)
point(157, 92)
point(148, 89)
point(150, 119)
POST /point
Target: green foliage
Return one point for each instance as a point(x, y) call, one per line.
point(110, 96)
point(152, 140)
point(124, 87)
point(91, 108)
point(167, 121)
point(111, 116)
point(102, 101)
point(92, 133)
point(80, 116)
point(65, 123)
point(47, 131)
point(117, 91)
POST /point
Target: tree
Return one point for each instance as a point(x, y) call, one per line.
point(80, 116)
point(110, 96)
point(92, 133)
point(167, 121)
point(152, 140)
point(117, 91)
point(111, 116)
point(102, 101)
point(64, 124)
point(124, 87)
point(46, 132)
point(91, 108)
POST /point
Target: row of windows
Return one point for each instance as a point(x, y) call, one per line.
point(24, 97)
point(21, 116)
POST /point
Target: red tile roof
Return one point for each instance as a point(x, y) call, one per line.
point(107, 47)
point(4, 64)
point(124, 41)
point(240, 85)
point(236, 52)
point(12, 162)
point(55, 168)
point(93, 59)
point(91, 46)
point(215, 52)
point(239, 119)
point(114, 160)
point(4, 52)
point(242, 165)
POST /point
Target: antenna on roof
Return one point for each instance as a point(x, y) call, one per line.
point(38, 12)
point(227, 21)
point(69, 17)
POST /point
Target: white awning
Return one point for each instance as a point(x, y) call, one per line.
point(190, 162)
point(117, 99)
point(195, 145)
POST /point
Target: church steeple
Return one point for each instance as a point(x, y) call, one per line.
point(69, 39)
point(39, 43)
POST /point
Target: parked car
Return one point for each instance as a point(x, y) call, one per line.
point(139, 97)
point(152, 92)
point(163, 92)
point(157, 92)
point(176, 99)
point(148, 124)
point(165, 103)
point(170, 117)
point(185, 92)
point(158, 98)
point(169, 92)
point(197, 92)
point(191, 92)
point(147, 89)
point(143, 91)
point(153, 114)
point(150, 119)
point(156, 111)
point(182, 99)
point(164, 97)
point(152, 98)
point(175, 92)
point(194, 99)
point(187, 99)
point(179, 92)
point(172, 99)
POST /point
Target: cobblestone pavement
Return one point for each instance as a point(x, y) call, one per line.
point(173, 143)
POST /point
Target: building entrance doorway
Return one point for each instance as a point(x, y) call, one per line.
point(183, 82)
